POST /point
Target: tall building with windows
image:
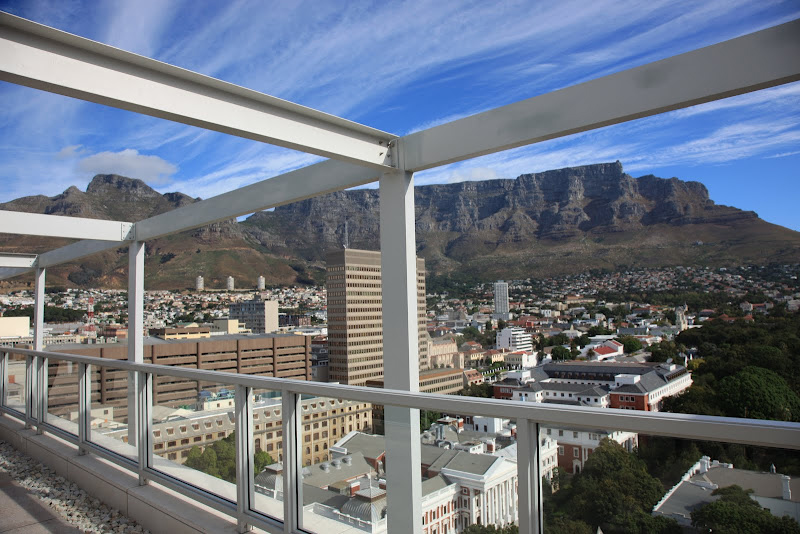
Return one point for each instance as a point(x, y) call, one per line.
point(355, 316)
point(501, 299)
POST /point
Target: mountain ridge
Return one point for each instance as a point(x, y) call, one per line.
point(539, 224)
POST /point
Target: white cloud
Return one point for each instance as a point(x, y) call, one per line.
point(128, 162)
point(784, 154)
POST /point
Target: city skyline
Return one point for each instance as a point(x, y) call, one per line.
point(457, 64)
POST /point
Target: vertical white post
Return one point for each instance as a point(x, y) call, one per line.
point(144, 423)
point(531, 513)
point(135, 331)
point(3, 378)
point(245, 482)
point(400, 350)
point(38, 311)
point(84, 406)
point(40, 364)
point(292, 459)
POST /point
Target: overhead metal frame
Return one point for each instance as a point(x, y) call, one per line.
point(17, 261)
point(38, 56)
point(23, 223)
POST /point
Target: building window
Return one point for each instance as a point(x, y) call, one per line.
point(576, 452)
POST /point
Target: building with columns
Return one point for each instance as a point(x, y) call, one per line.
point(459, 488)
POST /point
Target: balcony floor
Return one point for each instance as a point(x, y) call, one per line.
point(23, 512)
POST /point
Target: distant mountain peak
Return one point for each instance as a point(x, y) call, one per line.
point(539, 224)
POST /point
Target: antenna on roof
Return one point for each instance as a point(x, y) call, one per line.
point(346, 235)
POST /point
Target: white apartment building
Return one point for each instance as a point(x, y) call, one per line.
point(514, 338)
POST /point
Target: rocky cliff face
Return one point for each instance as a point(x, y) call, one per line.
point(548, 223)
point(553, 206)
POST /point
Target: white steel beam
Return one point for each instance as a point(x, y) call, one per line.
point(21, 223)
point(135, 333)
point(400, 350)
point(318, 179)
point(38, 310)
point(45, 58)
point(17, 261)
point(755, 61)
point(75, 251)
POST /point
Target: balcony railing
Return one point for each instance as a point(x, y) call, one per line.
point(54, 383)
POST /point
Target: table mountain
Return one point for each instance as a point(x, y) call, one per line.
point(543, 224)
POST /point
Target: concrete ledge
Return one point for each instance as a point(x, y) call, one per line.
point(155, 507)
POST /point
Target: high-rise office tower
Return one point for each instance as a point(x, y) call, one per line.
point(355, 316)
point(501, 299)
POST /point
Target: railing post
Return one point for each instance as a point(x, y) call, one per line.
point(245, 478)
point(144, 422)
point(30, 390)
point(292, 457)
point(4, 379)
point(136, 251)
point(84, 406)
point(33, 404)
point(531, 509)
point(400, 349)
point(42, 376)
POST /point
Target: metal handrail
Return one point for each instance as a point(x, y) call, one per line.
point(689, 426)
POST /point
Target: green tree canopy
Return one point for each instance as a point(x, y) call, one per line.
point(219, 459)
point(759, 394)
point(616, 492)
point(736, 512)
point(630, 344)
point(561, 353)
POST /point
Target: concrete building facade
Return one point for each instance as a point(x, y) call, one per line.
point(355, 316)
point(282, 356)
point(260, 316)
point(501, 299)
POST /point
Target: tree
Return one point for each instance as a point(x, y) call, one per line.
point(561, 353)
point(759, 394)
point(630, 344)
point(477, 390)
point(563, 525)
point(663, 351)
point(261, 459)
point(616, 492)
point(736, 512)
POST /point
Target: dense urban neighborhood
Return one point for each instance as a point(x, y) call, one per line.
point(709, 341)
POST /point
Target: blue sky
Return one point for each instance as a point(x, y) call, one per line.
point(401, 67)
